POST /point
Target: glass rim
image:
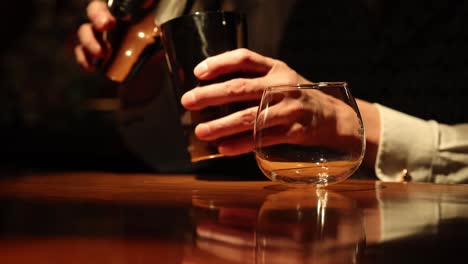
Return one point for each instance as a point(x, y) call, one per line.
point(311, 85)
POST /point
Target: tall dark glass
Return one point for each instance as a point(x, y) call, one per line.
point(188, 40)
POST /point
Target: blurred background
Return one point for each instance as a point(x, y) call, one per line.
point(47, 116)
point(409, 55)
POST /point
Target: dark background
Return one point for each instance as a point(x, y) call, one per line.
point(47, 119)
point(409, 55)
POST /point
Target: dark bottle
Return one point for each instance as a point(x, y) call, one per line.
point(136, 36)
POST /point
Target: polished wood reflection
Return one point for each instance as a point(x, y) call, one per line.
point(95, 217)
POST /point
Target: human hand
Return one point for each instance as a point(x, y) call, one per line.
point(90, 47)
point(267, 72)
point(310, 115)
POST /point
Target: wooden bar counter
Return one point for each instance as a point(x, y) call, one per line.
point(96, 217)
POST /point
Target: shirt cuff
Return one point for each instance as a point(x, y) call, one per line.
point(407, 145)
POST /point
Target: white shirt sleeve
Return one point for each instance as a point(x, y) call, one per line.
point(427, 150)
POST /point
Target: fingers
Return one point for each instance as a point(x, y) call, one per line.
point(259, 71)
point(285, 113)
point(83, 60)
point(244, 143)
point(89, 41)
point(240, 60)
point(235, 90)
point(232, 124)
point(100, 16)
point(273, 136)
point(240, 144)
point(236, 127)
point(90, 47)
point(274, 115)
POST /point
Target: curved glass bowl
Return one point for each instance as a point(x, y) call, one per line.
point(309, 134)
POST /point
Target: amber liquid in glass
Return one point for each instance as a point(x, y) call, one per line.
point(307, 167)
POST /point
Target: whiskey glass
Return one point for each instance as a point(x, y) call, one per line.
point(309, 134)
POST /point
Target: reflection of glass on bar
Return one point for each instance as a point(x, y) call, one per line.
point(316, 227)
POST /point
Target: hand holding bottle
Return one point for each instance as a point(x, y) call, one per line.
point(90, 48)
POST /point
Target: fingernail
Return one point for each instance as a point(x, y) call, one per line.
point(201, 69)
point(188, 99)
point(202, 130)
